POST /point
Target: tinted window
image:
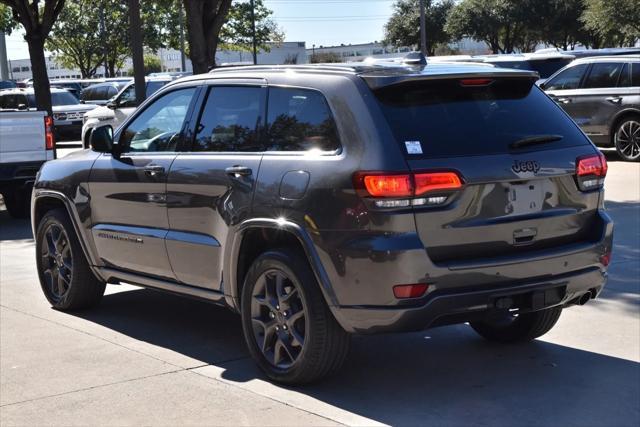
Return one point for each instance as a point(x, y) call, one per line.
point(154, 86)
point(444, 118)
point(63, 98)
point(101, 93)
point(299, 120)
point(547, 67)
point(8, 102)
point(158, 126)
point(625, 76)
point(635, 74)
point(111, 92)
point(603, 75)
point(87, 94)
point(567, 79)
point(230, 120)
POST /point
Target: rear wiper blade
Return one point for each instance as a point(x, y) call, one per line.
point(537, 139)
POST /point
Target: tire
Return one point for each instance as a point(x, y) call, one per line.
point(278, 287)
point(626, 139)
point(507, 328)
point(18, 203)
point(65, 276)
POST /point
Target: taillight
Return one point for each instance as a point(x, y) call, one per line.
point(388, 185)
point(410, 291)
point(591, 171)
point(48, 133)
point(407, 189)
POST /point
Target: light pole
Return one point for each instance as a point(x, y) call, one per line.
point(423, 29)
point(253, 29)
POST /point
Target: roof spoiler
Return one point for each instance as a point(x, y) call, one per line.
point(380, 79)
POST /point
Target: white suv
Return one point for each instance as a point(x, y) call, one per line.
point(118, 108)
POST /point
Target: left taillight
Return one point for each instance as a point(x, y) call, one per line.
point(401, 190)
point(591, 171)
point(48, 133)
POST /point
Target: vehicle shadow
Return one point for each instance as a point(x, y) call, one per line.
point(13, 229)
point(445, 375)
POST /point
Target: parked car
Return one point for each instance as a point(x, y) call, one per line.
point(101, 93)
point(67, 110)
point(26, 142)
point(602, 95)
point(544, 63)
point(119, 107)
point(73, 86)
point(322, 200)
point(610, 51)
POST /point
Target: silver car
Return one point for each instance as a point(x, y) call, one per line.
point(602, 95)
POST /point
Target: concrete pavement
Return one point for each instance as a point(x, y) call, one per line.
point(144, 357)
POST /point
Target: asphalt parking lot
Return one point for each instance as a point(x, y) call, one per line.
point(144, 357)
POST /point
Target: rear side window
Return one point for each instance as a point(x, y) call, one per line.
point(603, 75)
point(625, 76)
point(635, 74)
point(87, 94)
point(111, 92)
point(231, 120)
point(443, 118)
point(299, 120)
point(567, 79)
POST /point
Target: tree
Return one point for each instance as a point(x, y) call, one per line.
point(7, 23)
point(237, 34)
point(152, 64)
point(403, 28)
point(205, 19)
point(77, 39)
point(37, 21)
point(561, 26)
point(324, 58)
point(505, 25)
point(613, 22)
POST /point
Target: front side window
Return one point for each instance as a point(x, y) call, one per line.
point(603, 75)
point(127, 98)
point(158, 127)
point(300, 120)
point(231, 120)
point(568, 79)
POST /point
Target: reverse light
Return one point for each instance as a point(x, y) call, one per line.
point(48, 133)
point(591, 171)
point(410, 291)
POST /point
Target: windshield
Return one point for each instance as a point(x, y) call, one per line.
point(57, 99)
point(443, 118)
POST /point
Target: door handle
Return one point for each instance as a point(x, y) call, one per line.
point(238, 171)
point(154, 170)
point(563, 100)
point(614, 99)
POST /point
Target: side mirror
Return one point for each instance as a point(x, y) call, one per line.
point(541, 85)
point(101, 139)
point(113, 104)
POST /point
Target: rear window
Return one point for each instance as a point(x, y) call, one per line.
point(443, 119)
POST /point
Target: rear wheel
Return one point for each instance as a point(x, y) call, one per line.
point(627, 139)
point(507, 327)
point(289, 330)
point(65, 276)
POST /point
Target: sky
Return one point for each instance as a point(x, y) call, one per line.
point(319, 22)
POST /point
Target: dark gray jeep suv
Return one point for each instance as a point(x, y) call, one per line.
point(322, 201)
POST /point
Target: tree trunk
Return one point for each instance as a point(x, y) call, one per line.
point(136, 49)
point(195, 35)
point(39, 71)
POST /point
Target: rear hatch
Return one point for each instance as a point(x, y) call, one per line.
point(516, 154)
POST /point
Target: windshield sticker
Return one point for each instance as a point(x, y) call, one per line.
point(413, 147)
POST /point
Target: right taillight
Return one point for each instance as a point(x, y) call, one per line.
point(401, 190)
point(591, 171)
point(48, 133)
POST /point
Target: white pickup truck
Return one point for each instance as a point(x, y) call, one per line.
point(26, 142)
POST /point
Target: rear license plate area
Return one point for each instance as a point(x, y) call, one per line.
point(524, 198)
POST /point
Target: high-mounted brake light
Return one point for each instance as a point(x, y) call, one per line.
point(404, 188)
point(48, 133)
point(476, 82)
point(591, 171)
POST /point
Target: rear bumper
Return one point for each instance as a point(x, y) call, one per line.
point(466, 305)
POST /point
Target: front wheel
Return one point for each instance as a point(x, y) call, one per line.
point(508, 327)
point(289, 330)
point(627, 139)
point(65, 276)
